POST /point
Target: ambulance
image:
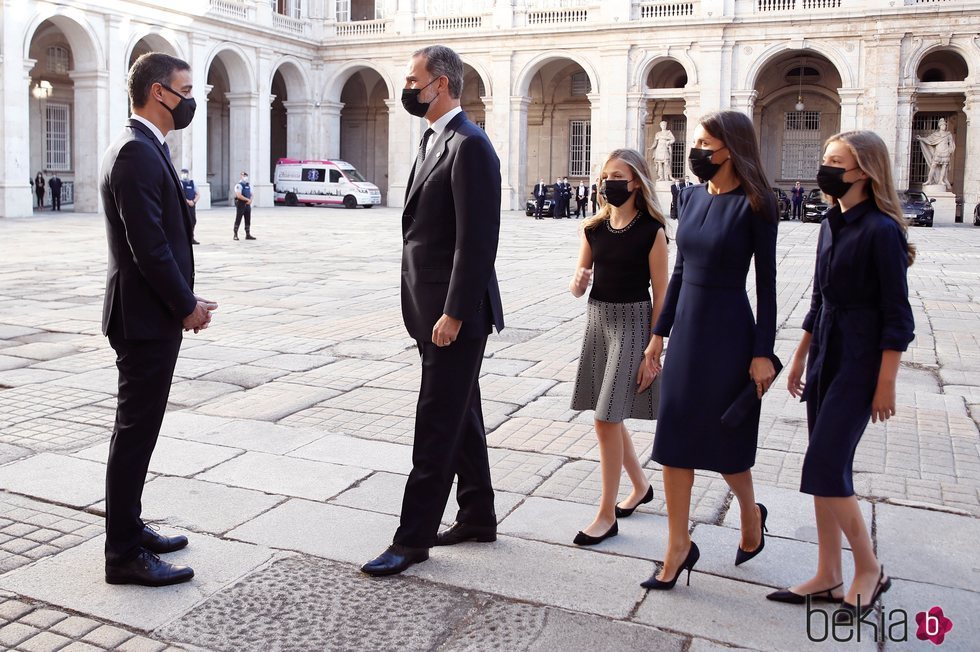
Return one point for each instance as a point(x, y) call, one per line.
point(330, 183)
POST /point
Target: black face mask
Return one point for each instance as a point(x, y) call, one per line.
point(410, 100)
point(701, 165)
point(615, 192)
point(831, 182)
point(183, 113)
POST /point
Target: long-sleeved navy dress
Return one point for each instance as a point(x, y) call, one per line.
point(860, 307)
point(713, 336)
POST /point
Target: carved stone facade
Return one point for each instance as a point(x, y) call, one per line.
point(556, 83)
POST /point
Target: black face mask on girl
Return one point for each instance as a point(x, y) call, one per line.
point(615, 192)
point(410, 100)
point(701, 165)
point(183, 113)
point(831, 182)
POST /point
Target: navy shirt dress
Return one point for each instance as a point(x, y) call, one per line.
point(860, 307)
point(713, 335)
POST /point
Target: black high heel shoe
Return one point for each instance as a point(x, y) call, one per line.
point(661, 585)
point(623, 512)
point(742, 556)
point(847, 611)
point(787, 596)
point(583, 539)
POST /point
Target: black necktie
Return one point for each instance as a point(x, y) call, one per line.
point(166, 150)
point(421, 157)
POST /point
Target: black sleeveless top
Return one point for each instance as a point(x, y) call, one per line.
point(621, 259)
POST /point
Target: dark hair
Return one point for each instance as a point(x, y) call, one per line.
point(151, 68)
point(735, 129)
point(440, 61)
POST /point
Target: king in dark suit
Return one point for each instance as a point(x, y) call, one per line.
point(450, 302)
point(149, 302)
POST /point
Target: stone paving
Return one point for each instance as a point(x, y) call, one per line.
point(287, 445)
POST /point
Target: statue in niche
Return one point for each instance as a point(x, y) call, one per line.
point(937, 148)
point(663, 142)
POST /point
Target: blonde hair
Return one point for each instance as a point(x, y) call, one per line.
point(871, 154)
point(646, 194)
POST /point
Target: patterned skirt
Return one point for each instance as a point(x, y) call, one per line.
point(615, 336)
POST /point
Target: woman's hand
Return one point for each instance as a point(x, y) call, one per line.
point(650, 367)
point(794, 381)
point(580, 282)
point(883, 403)
point(762, 373)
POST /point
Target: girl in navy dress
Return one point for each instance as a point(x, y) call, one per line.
point(626, 245)
point(859, 324)
point(716, 347)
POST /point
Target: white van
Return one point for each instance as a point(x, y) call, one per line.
point(322, 182)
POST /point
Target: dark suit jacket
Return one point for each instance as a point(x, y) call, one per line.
point(540, 190)
point(450, 226)
point(150, 282)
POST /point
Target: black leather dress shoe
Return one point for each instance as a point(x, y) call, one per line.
point(147, 569)
point(394, 560)
point(156, 542)
point(460, 532)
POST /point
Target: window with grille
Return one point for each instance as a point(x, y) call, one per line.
point(59, 60)
point(801, 145)
point(579, 147)
point(343, 11)
point(677, 124)
point(56, 137)
point(480, 88)
point(923, 124)
point(482, 124)
point(580, 84)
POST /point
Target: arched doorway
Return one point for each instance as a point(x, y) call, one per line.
point(665, 90)
point(67, 131)
point(290, 115)
point(474, 90)
point(364, 126)
point(231, 101)
point(797, 107)
point(278, 124)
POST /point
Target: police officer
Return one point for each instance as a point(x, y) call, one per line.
point(243, 206)
point(54, 183)
point(191, 196)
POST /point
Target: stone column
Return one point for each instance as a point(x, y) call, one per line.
point(330, 127)
point(260, 147)
point(971, 172)
point(901, 136)
point(744, 101)
point(299, 127)
point(118, 68)
point(196, 135)
point(16, 199)
point(501, 124)
point(404, 133)
point(243, 109)
point(90, 136)
point(517, 153)
point(635, 117)
point(712, 82)
point(601, 142)
point(850, 102)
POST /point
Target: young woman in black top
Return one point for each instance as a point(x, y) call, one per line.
point(626, 245)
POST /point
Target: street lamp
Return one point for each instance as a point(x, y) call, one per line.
point(42, 90)
point(799, 95)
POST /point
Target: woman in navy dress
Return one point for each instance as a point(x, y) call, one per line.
point(716, 347)
point(859, 324)
point(626, 246)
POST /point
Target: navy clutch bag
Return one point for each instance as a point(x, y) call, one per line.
point(747, 400)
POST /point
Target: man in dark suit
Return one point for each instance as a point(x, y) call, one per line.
point(54, 183)
point(540, 193)
point(557, 210)
point(149, 302)
point(581, 199)
point(798, 194)
point(595, 198)
point(450, 301)
point(675, 189)
point(567, 196)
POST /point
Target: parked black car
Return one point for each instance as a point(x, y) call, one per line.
point(815, 206)
point(783, 204)
point(549, 200)
point(917, 207)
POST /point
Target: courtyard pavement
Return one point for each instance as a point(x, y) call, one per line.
point(288, 441)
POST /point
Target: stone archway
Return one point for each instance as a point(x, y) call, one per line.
point(364, 126)
point(665, 100)
point(231, 134)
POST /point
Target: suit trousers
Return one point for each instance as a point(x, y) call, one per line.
point(450, 440)
point(146, 369)
point(243, 210)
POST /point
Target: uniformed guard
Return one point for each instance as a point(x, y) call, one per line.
point(191, 196)
point(243, 206)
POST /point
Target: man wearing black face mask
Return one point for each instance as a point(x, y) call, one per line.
point(149, 303)
point(450, 302)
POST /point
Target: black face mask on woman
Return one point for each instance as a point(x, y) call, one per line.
point(183, 113)
point(701, 165)
point(410, 100)
point(831, 182)
point(615, 191)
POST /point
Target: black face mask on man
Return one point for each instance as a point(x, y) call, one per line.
point(831, 182)
point(183, 113)
point(701, 165)
point(615, 191)
point(410, 100)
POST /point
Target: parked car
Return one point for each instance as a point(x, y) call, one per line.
point(549, 200)
point(917, 207)
point(815, 206)
point(322, 182)
point(783, 204)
